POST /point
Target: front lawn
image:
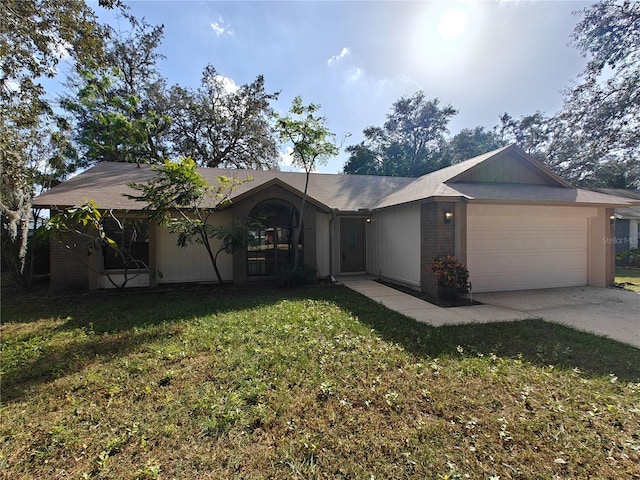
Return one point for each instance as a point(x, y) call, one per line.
point(310, 383)
point(629, 278)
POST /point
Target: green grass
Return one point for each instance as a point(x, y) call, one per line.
point(629, 277)
point(310, 383)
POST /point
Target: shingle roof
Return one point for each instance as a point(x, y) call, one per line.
point(106, 182)
point(629, 212)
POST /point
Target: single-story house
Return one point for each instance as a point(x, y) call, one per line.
point(627, 220)
point(511, 220)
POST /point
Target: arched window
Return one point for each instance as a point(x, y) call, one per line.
point(273, 225)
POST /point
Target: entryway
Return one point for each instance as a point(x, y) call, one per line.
point(353, 245)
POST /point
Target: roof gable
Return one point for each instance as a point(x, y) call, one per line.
point(510, 165)
point(237, 197)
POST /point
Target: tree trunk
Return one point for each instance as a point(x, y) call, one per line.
point(212, 257)
point(15, 233)
point(299, 229)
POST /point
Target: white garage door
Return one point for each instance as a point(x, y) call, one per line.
point(520, 248)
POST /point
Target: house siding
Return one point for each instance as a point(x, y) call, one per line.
point(192, 263)
point(394, 245)
point(323, 254)
point(436, 239)
point(623, 238)
point(505, 169)
point(602, 249)
point(240, 212)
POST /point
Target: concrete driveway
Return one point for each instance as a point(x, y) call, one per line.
point(604, 311)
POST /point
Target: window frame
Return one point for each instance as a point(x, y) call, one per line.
point(138, 228)
point(272, 246)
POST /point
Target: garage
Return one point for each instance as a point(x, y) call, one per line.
point(513, 247)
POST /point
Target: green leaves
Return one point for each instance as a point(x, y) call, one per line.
point(67, 220)
point(113, 125)
point(312, 143)
point(180, 199)
point(223, 125)
point(178, 185)
point(311, 140)
point(596, 140)
point(107, 235)
point(452, 275)
point(117, 103)
point(411, 142)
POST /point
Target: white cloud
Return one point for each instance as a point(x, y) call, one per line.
point(9, 86)
point(353, 76)
point(61, 49)
point(286, 161)
point(336, 58)
point(220, 27)
point(227, 83)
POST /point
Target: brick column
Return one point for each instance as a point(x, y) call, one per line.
point(69, 264)
point(437, 238)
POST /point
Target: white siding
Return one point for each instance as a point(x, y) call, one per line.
point(526, 247)
point(140, 280)
point(191, 263)
point(393, 239)
point(322, 244)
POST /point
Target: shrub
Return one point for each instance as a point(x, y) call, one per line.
point(452, 275)
point(303, 275)
point(630, 257)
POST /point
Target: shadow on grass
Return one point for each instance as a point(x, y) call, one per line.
point(112, 312)
point(117, 324)
point(123, 323)
point(535, 341)
point(70, 358)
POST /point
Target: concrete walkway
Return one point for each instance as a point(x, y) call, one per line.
point(609, 312)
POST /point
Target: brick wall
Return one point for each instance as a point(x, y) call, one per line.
point(241, 210)
point(436, 239)
point(72, 268)
point(69, 264)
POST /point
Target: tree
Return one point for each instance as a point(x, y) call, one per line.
point(223, 125)
point(181, 200)
point(312, 143)
point(362, 160)
point(532, 133)
point(602, 110)
point(32, 158)
point(470, 143)
point(88, 223)
point(118, 108)
point(35, 35)
point(411, 142)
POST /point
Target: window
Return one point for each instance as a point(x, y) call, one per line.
point(274, 223)
point(132, 237)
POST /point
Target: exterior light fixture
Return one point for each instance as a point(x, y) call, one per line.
point(448, 216)
point(612, 219)
point(368, 219)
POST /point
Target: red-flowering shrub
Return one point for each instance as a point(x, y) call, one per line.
point(452, 275)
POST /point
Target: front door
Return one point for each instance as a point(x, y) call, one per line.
point(353, 245)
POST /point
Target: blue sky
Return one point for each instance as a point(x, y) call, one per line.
point(356, 58)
